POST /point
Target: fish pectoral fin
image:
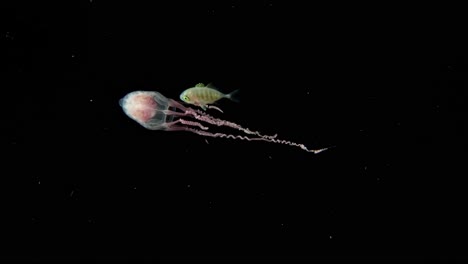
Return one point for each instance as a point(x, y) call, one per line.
point(203, 107)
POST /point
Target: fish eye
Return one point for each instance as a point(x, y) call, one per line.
point(186, 97)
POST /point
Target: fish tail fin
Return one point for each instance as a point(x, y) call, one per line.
point(234, 96)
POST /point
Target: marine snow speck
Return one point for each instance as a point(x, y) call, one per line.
point(202, 95)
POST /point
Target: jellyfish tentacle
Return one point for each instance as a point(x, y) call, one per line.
point(176, 128)
point(185, 122)
point(302, 146)
point(219, 122)
point(172, 126)
point(193, 123)
point(176, 104)
point(170, 112)
point(222, 135)
point(285, 142)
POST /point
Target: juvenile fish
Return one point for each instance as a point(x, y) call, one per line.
point(203, 95)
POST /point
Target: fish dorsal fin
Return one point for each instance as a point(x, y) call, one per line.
point(199, 85)
point(210, 85)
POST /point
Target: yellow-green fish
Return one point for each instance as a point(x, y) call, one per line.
point(202, 95)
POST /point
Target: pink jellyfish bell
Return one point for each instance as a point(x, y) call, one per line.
point(150, 109)
point(154, 111)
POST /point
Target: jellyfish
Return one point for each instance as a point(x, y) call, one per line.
point(154, 111)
